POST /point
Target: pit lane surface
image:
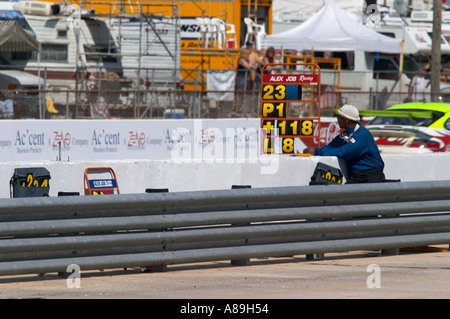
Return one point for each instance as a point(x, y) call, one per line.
point(339, 276)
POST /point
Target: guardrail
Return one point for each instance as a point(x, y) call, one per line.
point(41, 235)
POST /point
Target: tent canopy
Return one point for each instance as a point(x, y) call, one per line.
point(332, 29)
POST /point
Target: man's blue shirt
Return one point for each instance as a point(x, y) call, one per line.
point(360, 152)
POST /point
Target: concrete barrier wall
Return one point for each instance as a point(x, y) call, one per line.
point(134, 176)
point(181, 155)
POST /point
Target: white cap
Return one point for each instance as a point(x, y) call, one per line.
point(349, 112)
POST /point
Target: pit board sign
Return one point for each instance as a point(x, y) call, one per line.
point(293, 90)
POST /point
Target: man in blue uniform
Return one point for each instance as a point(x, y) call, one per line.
point(356, 146)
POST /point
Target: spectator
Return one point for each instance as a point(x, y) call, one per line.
point(268, 59)
point(97, 103)
point(255, 62)
point(417, 87)
point(242, 75)
point(6, 107)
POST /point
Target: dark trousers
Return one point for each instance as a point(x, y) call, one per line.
point(369, 176)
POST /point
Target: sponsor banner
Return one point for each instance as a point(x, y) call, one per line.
point(209, 140)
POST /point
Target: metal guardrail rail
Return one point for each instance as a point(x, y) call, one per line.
point(41, 235)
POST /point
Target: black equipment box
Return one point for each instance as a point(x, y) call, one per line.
point(326, 175)
point(30, 182)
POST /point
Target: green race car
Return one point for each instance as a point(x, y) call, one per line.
point(411, 128)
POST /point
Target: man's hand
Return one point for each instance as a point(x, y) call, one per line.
point(309, 150)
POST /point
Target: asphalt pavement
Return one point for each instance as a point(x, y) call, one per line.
point(423, 273)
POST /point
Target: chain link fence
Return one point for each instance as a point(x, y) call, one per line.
point(104, 95)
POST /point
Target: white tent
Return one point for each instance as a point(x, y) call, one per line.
point(332, 29)
point(307, 8)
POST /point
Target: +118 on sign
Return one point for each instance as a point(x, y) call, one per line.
point(278, 91)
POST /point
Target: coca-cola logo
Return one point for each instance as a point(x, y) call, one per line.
point(328, 131)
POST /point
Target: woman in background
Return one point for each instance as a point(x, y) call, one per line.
point(270, 58)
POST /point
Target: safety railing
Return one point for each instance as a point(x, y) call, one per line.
point(41, 235)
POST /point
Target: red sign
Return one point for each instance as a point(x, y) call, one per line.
point(311, 79)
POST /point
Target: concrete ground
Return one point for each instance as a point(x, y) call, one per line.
point(422, 274)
